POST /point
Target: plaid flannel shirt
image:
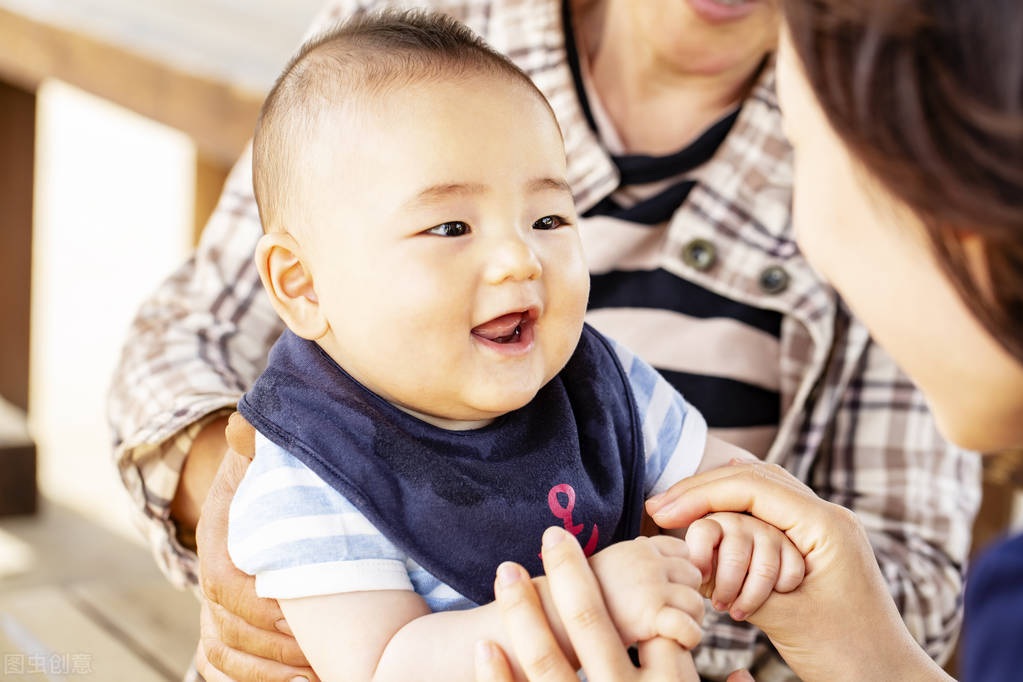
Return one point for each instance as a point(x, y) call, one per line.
point(853, 427)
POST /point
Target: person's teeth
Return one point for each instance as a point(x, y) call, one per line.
point(730, 2)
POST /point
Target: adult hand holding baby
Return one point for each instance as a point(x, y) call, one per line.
point(742, 561)
point(583, 613)
point(242, 637)
point(585, 617)
point(842, 606)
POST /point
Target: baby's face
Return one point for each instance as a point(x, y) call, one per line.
point(445, 250)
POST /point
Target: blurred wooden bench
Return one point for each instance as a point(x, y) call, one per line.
point(78, 601)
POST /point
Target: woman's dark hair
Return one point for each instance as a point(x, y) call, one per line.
point(928, 96)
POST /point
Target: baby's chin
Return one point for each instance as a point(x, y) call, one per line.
point(505, 401)
point(472, 412)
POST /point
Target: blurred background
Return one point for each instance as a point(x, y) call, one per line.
point(119, 120)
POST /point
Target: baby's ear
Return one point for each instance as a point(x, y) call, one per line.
point(289, 284)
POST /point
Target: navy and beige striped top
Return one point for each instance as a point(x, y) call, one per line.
point(688, 333)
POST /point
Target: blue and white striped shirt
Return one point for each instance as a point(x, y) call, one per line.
point(300, 537)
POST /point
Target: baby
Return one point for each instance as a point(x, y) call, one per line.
point(437, 400)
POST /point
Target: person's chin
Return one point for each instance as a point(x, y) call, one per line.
point(500, 397)
point(980, 431)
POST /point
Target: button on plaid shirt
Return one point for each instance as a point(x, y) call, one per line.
point(853, 426)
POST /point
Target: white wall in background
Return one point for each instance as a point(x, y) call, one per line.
point(113, 214)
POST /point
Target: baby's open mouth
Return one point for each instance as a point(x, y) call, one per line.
point(504, 329)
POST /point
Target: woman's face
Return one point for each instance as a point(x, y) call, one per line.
point(706, 36)
point(874, 251)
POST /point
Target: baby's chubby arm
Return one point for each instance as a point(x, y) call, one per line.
point(392, 635)
point(650, 586)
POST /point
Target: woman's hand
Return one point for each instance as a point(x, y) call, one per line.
point(841, 622)
point(579, 603)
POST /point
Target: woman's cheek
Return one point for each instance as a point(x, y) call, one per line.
point(808, 226)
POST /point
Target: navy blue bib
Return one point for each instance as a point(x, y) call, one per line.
point(461, 502)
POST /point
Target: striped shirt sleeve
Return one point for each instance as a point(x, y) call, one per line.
point(674, 432)
point(299, 537)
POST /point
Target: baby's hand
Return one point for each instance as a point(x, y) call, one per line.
point(651, 589)
point(742, 559)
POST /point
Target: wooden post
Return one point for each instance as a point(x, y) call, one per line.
point(17, 157)
point(210, 175)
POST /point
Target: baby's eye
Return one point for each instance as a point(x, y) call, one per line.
point(455, 228)
point(549, 222)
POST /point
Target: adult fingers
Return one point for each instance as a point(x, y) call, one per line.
point(793, 568)
point(216, 661)
point(533, 643)
point(490, 663)
point(229, 475)
point(660, 503)
point(235, 592)
point(580, 605)
point(764, 491)
point(220, 663)
point(219, 579)
point(241, 631)
point(235, 633)
point(662, 500)
point(703, 537)
point(205, 668)
point(241, 437)
point(764, 569)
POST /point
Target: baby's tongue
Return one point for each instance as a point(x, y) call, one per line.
point(499, 326)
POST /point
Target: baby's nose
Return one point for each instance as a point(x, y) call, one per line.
point(512, 260)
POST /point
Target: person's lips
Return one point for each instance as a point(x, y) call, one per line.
point(510, 334)
point(723, 11)
point(503, 329)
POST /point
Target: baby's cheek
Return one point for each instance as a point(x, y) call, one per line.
point(576, 286)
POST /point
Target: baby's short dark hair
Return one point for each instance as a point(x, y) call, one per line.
point(367, 55)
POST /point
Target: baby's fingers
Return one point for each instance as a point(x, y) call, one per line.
point(670, 546)
point(733, 562)
point(703, 537)
point(793, 568)
point(678, 625)
point(683, 572)
point(687, 599)
point(764, 568)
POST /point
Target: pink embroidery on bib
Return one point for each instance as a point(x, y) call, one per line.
point(565, 514)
